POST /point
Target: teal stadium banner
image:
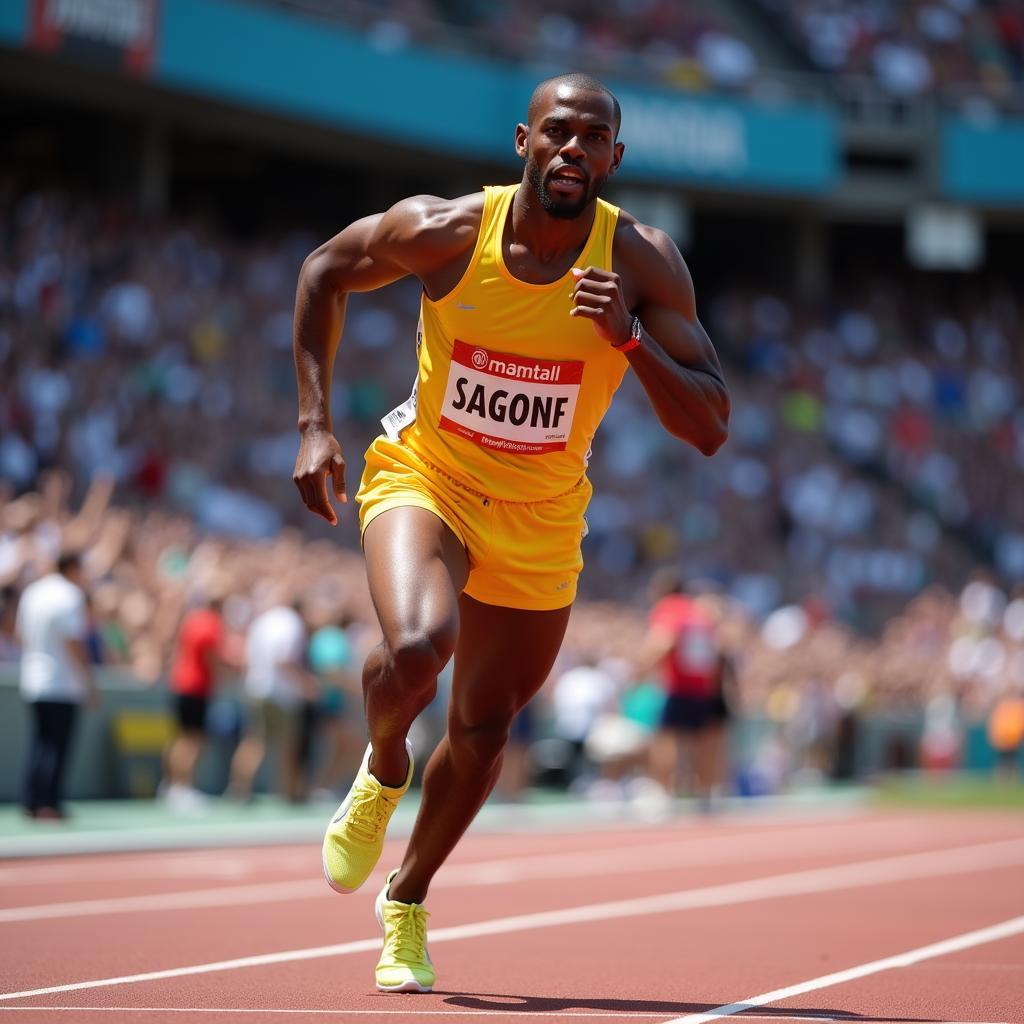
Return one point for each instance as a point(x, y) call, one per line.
point(464, 106)
point(673, 136)
point(14, 23)
point(470, 107)
point(983, 160)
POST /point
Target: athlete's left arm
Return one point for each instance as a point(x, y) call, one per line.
point(675, 361)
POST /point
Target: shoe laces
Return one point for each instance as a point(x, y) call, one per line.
point(407, 937)
point(369, 813)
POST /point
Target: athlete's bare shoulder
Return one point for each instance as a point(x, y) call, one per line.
point(650, 265)
point(421, 235)
point(423, 232)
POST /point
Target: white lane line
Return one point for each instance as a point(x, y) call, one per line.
point(272, 892)
point(692, 852)
point(1015, 926)
point(964, 859)
point(552, 1014)
point(623, 1015)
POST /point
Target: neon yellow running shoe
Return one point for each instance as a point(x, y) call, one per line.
point(355, 836)
point(404, 965)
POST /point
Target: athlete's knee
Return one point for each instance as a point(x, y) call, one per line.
point(479, 741)
point(418, 656)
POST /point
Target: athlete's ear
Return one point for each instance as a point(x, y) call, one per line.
point(620, 148)
point(522, 135)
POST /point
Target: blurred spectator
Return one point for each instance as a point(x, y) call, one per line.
point(276, 684)
point(198, 661)
point(335, 657)
point(942, 735)
point(620, 749)
point(56, 678)
point(1006, 732)
point(579, 696)
point(8, 610)
point(681, 645)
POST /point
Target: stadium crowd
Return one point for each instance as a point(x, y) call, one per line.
point(876, 447)
point(908, 48)
point(690, 45)
point(911, 48)
point(950, 657)
point(146, 411)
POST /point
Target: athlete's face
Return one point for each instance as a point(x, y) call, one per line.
point(570, 149)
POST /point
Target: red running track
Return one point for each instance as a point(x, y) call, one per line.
point(867, 917)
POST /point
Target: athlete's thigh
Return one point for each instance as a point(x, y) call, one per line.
point(416, 568)
point(503, 657)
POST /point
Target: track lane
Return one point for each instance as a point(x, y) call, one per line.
point(76, 881)
point(527, 961)
point(328, 919)
point(586, 952)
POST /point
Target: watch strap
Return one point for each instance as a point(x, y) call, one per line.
point(633, 341)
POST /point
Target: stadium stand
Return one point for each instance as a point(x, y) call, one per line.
point(690, 45)
point(863, 529)
point(908, 49)
point(911, 48)
point(885, 434)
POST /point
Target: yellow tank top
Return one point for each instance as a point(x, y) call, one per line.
point(510, 388)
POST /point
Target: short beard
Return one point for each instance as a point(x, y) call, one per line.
point(562, 209)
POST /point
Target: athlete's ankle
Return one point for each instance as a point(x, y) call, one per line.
point(405, 893)
point(389, 768)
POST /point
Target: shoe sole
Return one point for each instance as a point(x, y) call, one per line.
point(335, 818)
point(407, 986)
point(331, 882)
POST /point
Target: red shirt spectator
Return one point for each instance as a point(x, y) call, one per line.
point(199, 641)
point(690, 666)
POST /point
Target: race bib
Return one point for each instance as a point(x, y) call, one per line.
point(510, 403)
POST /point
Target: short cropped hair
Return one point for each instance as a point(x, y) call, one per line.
point(578, 80)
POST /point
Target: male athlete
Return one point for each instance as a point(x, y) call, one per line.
point(536, 299)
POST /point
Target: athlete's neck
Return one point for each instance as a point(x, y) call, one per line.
point(547, 239)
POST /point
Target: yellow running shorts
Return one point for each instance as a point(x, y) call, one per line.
point(521, 554)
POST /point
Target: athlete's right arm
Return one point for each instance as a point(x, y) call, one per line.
point(416, 236)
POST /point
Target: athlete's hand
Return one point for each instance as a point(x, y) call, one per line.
point(319, 457)
point(597, 295)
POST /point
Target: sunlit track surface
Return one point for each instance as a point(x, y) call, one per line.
point(872, 917)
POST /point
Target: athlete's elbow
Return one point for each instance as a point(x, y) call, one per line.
point(320, 273)
point(715, 430)
point(709, 445)
point(707, 436)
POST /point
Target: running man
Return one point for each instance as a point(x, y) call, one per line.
point(536, 299)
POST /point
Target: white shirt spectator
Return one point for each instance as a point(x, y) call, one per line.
point(51, 612)
point(275, 645)
point(578, 698)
